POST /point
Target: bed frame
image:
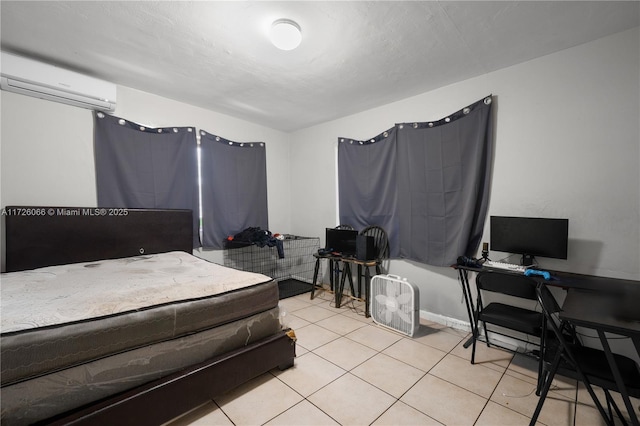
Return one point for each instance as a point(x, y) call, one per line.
point(45, 236)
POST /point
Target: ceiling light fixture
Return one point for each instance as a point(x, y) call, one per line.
point(285, 34)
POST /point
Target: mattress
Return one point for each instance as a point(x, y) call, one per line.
point(60, 316)
point(48, 395)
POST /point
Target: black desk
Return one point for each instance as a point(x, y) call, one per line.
point(346, 273)
point(331, 258)
point(607, 305)
point(565, 280)
point(611, 310)
point(337, 282)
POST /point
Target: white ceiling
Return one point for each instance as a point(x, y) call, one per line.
point(355, 55)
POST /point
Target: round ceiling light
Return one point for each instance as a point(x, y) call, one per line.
point(285, 34)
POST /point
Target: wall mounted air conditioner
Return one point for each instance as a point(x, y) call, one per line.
point(40, 80)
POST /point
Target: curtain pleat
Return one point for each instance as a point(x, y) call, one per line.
point(368, 187)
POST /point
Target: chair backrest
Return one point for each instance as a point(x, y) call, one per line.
point(347, 227)
point(381, 242)
point(509, 284)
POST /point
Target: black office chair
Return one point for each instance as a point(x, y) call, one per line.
point(380, 244)
point(563, 354)
point(381, 251)
point(347, 227)
point(515, 318)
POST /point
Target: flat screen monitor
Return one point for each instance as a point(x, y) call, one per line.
point(341, 241)
point(530, 236)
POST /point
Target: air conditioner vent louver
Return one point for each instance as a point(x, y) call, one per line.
point(39, 80)
point(394, 303)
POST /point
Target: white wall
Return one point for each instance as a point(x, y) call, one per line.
point(46, 149)
point(566, 145)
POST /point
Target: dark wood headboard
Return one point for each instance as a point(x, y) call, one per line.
point(44, 236)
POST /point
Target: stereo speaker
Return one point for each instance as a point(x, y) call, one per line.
point(365, 247)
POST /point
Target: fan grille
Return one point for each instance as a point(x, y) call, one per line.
point(394, 304)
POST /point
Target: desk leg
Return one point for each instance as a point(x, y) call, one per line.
point(367, 290)
point(350, 278)
point(346, 270)
point(616, 374)
point(332, 274)
point(315, 278)
point(335, 274)
point(466, 291)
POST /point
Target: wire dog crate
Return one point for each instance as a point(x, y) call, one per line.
point(294, 272)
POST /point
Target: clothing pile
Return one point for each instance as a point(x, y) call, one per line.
point(256, 236)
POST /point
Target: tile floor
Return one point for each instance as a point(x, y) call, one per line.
point(350, 371)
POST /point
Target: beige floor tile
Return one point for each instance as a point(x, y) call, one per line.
point(567, 388)
point(564, 386)
point(348, 301)
point(432, 324)
point(353, 306)
point(352, 401)
point(475, 378)
point(325, 302)
point(321, 295)
point(585, 399)
point(356, 314)
point(437, 326)
point(374, 336)
point(445, 402)
point(303, 414)
point(325, 293)
point(497, 415)
point(588, 415)
point(384, 366)
point(400, 414)
point(415, 354)
point(300, 350)
point(345, 353)
point(341, 324)
point(309, 373)
point(526, 368)
point(513, 373)
point(258, 401)
point(492, 357)
point(524, 364)
point(313, 336)
point(292, 304)
point(315, 313)
point(208, 414)
point(519, 395)
point(389, 374)
point(438, 339)
point(295, 322)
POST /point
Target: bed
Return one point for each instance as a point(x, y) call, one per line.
point(170, 332)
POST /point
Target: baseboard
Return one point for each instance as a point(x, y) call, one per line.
point(448, 321)
point(498, 339)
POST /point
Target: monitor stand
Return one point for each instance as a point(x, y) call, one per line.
point(527, 260)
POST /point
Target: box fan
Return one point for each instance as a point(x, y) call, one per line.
point(394, 303)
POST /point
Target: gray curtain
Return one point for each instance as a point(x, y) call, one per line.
point(442, 184)
point(139, 167)
point(234, 188)
point(368, 185)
